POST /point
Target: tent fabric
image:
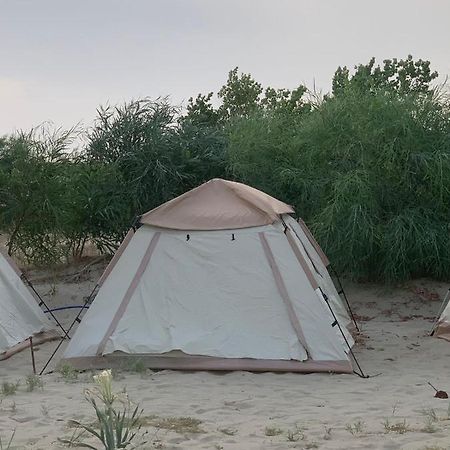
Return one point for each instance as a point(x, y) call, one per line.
point(442, 329)
point(20, 315)
point(217, 205)
point(242, 298)
point(206, 296)
point(316, 264)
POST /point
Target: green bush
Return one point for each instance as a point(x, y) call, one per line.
point(367, 166)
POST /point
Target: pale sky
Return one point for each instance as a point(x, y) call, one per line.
point(61, 59)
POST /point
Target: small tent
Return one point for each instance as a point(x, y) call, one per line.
point(20, 315)
point(441, 325)
point(219, 278)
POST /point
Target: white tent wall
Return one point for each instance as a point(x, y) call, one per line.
point(20, 315)
point(320, 273)
point(207, 297)
point(442, 329)
point(230, 282)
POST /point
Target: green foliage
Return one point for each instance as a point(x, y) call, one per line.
point(367, 167)
point(117, 428)
point(240, 95)
point(8, 389)
point(34, 381)
point(32, 192)
point(402, 77)
point(67, 372)
point(369, 172)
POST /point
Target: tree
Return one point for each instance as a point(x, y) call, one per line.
point(400, 76)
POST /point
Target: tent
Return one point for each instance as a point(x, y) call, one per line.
point(219, 278)
point(441, 325)
point(20, 315)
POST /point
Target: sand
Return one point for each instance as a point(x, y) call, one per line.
point(394, 409)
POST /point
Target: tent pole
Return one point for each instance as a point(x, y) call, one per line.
point(135, 225)
point(89, 299)
point(336, 322)
point(341, 291)
point(441, 310)
point(25, 278)
point(33, 362)
point(341, 288)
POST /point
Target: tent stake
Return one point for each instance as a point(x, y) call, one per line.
point(25, 278)
point(341, 290)
point(89, 299)
point(33, 362)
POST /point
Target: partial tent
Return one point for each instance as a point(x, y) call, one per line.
point(441, 324)
point(220, 278)
point(21, 317)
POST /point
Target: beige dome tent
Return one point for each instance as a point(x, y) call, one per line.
point(220, 278)
point(20, 315)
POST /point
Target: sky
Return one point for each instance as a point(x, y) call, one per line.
point(61, 59)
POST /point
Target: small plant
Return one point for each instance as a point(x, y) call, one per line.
point(272, 431)
point(9, 388)
point(176, 424)
point(430, 420)
point(137, 366)
point(429, 426)
point(397, 427)
point(293, 436)
point(117, 374)
point(228, 431)
point(431, 415)
point(7, 445)
point(67, 372)
point(356, 428)
point(310, 445)
point(44, 410)
point(117, 429)
point(327, 435)
point(33, 381)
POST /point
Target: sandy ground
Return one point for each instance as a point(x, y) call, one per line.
point(394, 409)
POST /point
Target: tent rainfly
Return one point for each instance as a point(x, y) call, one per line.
point(219, 278)
point(20, 315)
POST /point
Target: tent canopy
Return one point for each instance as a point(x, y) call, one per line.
point(217, 205)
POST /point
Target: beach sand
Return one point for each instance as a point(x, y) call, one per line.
point(393, 409)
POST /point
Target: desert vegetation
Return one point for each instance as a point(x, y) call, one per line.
point(366, 165)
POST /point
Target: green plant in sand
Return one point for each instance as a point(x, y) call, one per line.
point(118, 426)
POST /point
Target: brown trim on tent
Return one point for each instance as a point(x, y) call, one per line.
point(191, 362)
point(314, 243)
point(301, 259)
point(116, 257)
point(38, 338)
point(129, 293)
point(283, 291)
